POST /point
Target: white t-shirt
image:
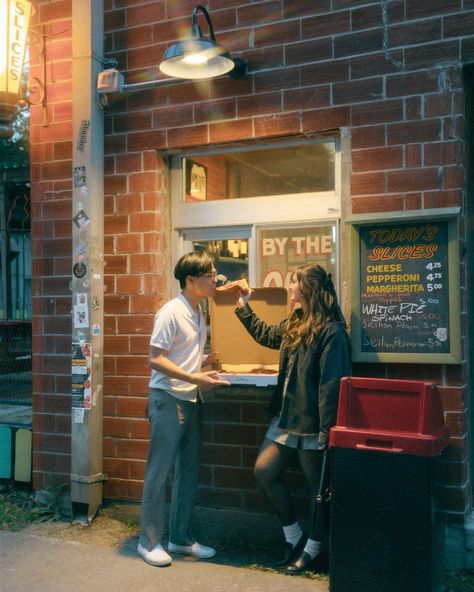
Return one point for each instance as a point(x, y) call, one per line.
point(181, 332)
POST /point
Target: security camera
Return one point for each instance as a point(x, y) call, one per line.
point(109, 81)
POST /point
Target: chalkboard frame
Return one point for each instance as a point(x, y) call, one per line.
point(357, 222)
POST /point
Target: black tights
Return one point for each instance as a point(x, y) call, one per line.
point(272, 460)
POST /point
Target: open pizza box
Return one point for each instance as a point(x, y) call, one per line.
point(241, 359)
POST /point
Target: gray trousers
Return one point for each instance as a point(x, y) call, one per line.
point(175, 441)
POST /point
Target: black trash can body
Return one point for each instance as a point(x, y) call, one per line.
point(387, 528)
point(387, 531)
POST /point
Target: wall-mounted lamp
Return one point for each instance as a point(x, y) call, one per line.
point(14, 24)
point(192, 58)
point(197, 57)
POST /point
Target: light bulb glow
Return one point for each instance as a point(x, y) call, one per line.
point(195, 59)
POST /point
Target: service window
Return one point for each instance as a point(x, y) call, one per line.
point(262, 210)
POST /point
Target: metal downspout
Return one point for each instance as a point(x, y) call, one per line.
point(87, 266)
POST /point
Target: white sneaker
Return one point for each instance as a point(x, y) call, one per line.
point(157, 556)
point(195, 550)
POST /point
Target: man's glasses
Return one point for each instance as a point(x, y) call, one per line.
point(212, 275)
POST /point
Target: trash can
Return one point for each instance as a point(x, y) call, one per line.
point(387, 531)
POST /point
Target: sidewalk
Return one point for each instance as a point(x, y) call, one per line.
point(47, 563)
point(43, 564)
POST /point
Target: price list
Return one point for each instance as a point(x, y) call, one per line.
point(404, 283)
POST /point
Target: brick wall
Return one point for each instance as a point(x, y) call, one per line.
point(51, 195)
point(389, 72)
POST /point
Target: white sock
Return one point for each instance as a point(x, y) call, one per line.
point(292, 533)
point(313, 548)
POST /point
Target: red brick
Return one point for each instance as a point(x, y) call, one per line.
point(326, 119)
point(376, 64)
point(410, 33)
point(441, 153)
point(357, 91)
point(55, 11)
point(379, 203)
point(128, 284)
point(318, 96)
point(457, 25)
point(142, 181)
point(303, 52)
point(277, 80)
point(366, 17)
point(132, 121)
point(412, 180)
point(115, 184)
point(146, 140)
point(277, 125)
point(114, 20)
point(128, 243)
point(145, 263)
point(230, 130)
point(324, 72)
point(428, 130)
point(133, 37)
point(165, 117)
point(145, 57)
point(326, 25)
point(367, 183)
point(116, 344)
point(149, 13)
point(430, 55)
point(377, 159)
point(143, 303)
point(132, 406)
point(411, 84)
point(117, 468)
point(438, 105)
point(116, 264)
point(145, 222)
point(215, 110)
point(357, 43)
point(416, 9)
point(261, 58)
point(135, 325)
point(116, 427)
point(377, 112)
point(413, 155)
point(187, 136)
point(272, 34)
point(114, 144)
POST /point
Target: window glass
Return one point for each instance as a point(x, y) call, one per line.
point(282, 249)
point(231, 258)
point(304, 168)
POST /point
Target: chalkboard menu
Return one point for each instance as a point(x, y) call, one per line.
point(407, 307)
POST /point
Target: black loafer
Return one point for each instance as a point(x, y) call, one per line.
point(303, 563)
point(291, 552)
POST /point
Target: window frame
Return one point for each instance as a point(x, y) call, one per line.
point(209, 220)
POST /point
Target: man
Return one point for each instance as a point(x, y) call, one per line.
point(175, 410)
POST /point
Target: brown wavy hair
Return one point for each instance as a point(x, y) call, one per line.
point(319, 306)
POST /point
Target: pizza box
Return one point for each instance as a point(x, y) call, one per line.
point(241, 359)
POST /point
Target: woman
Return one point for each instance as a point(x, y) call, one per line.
point(314, 356)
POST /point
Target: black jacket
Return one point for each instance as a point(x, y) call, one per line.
point(308, 405)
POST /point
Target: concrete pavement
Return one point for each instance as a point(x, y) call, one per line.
point(45, 564)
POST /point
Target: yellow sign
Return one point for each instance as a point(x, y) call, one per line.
point(14, 23)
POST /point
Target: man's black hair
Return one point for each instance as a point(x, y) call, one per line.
point(194, 264)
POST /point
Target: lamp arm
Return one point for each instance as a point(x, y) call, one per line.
point(201, 8)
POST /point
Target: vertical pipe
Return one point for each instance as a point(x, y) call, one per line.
point(87, 265)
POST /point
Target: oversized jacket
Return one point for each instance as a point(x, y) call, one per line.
point(308, 405)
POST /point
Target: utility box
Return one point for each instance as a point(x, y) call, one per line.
point(387, 530)
point(241, 359)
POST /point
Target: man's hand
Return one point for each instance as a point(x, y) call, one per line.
point(209, 380)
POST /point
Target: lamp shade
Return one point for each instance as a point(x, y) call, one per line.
point(14, 23)
point(196, 57)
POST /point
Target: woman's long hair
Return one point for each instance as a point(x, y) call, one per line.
point(319, 306)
